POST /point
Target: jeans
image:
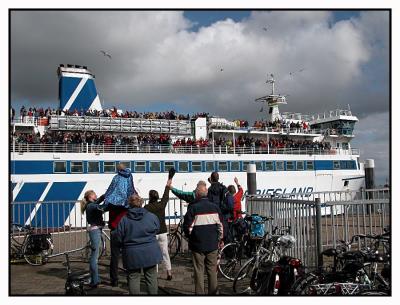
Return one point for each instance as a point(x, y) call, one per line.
point(95, 241)
point(209, 261)
point(150, 278)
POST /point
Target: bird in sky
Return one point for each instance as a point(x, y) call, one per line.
point(265, 28)
point(222, 69)
point(106, 54)
point(301, 70)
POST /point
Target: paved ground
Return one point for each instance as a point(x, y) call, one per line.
point(49, 279)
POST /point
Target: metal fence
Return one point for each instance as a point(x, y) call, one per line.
point(319, 220)
point(67, 224)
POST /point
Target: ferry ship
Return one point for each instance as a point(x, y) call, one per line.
point(63, 172)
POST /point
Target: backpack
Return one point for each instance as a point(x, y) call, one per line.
point(257, 227)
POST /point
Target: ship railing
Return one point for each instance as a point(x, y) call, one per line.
point(318, 220)
point(27, 120)
point(110, 124)
point(67, 225)
point(331, 113)
point(296, 116)
point(273, 130)
point(161, 148)
point(152, 148)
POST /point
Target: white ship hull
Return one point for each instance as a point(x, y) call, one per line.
point(279, 183)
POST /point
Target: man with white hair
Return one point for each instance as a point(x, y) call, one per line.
point(203, 226)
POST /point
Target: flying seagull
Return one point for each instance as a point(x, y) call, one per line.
point(301, 70)
point(106, 54)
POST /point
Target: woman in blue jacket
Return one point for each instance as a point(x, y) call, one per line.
point(136, 234)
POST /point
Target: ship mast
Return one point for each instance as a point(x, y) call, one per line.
point(272, 101)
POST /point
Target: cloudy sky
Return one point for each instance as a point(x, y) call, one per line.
point(164, 60)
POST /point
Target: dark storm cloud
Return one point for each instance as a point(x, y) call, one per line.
point(156, 59)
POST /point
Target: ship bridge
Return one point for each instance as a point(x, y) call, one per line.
point(337, 122)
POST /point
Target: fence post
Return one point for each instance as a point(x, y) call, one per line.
point(318, 229)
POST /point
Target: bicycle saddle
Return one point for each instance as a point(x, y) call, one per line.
point(330, 252)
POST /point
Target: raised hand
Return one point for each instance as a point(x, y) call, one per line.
point(236, 180)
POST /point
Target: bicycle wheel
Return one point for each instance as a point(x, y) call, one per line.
point(37, 258)
point(231, 260)
point(174, 245)
point(242, 281)
point(302, 286)
point(88, 249)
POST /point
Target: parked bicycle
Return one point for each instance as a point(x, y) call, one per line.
point(74, 284)
point(34, 248)
point(175, 237)
point(262, 269)
point(352, 272)
point(234, 254)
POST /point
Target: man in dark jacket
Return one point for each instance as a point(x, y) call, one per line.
point(220, 195)
point(158, 208)
point(136, 234)
point(203, 226)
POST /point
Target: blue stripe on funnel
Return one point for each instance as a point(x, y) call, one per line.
point(54, 215)
point(86, 97)
point(67, 86)
point(29, 192)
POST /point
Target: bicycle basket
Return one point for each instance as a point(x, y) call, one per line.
point(257, 227)
point(37, 243)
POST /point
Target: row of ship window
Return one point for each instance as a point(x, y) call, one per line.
point(190, 166)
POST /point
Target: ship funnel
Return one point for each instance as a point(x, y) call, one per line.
point(76, 88)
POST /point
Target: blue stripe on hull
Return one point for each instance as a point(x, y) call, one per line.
point(29, 192)
point(54, 215)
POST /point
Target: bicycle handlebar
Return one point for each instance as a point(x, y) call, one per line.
point(21, 227)
point(263, 218)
